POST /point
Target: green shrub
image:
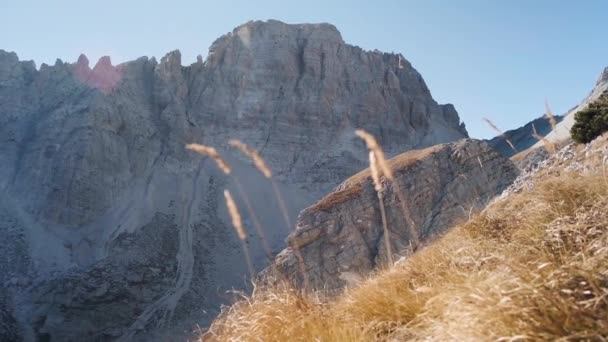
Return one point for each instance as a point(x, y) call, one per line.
point(591, 122)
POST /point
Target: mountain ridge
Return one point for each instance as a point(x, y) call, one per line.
point(94, 171)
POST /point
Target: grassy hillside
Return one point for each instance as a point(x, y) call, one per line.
point(532, 266)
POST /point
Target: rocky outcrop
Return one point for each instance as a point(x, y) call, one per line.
point(340, 238)
point(117, 232)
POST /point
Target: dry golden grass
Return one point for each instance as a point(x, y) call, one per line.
point(373, 166)
point(395, 164)
point(337, 197)
point(550, 116)
point(212, 153)
point(261, 165)
point(380, 167)
point(533, 266)
point(237, 224)
point(255, 157)
point(374, 147)
point(549, 146)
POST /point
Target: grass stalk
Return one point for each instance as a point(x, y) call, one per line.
point(254, 218)
point(261, 165)
point(550, 116)
point(500, 133)
point(382, 168)
point(237, 224)
point(211, 153)
point(549, 146)
point(378, 187)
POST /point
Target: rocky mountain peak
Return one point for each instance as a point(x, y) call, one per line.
point(8, 64)
point(82, 60)
point(8, 57)
point(14, 73)
point(81, 69)
point(104, 62)
point(172, 61)
point(104, 76)
point(94, 171)
point(280, 30)
point(273, 36)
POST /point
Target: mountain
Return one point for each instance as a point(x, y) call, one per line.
point(340, 239)
point(115, 232)
point(499, 243)
point(521, 137)
point(530, 151)
point(562, 132)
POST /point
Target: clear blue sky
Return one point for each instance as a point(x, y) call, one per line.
point(499, 59)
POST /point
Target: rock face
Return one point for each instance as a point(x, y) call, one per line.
point(117, 232)
point(340, 238)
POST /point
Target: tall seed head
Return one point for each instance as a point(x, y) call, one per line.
point(550, 115)
point(374, 169)
point(549, 146)
point(212, 153)
point(373, 145)
point(500, 133)
point(253, 155)
point(237, 223)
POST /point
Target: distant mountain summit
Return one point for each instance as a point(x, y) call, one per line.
point(114, 231)
point(522, 138)
point(562, 132)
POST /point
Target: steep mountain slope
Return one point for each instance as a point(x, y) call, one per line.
point(117, 232)
point(533, 265)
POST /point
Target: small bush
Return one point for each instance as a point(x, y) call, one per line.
point(591, 122)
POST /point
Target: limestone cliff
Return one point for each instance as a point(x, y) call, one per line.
point(117, 232)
